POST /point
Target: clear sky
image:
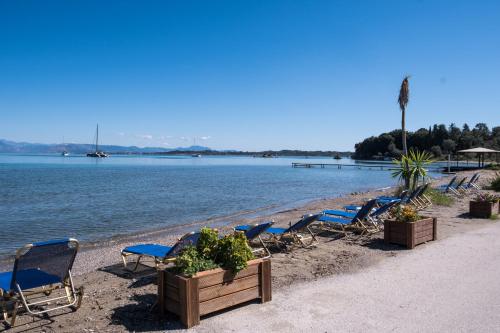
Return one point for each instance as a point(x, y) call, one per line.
point(248, 75)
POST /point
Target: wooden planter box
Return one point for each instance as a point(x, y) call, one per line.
point(483, 209)
point(213, 290)
point(410, 234)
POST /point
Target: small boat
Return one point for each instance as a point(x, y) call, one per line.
point(64, 153)
point(97, 153)
point(337, 157)
point(196, 155)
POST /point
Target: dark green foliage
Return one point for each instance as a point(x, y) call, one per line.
point(437, 140)
point(229, 252)
point(233, 252)
point(190, 262)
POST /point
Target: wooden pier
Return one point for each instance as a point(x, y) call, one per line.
point(368, 166)
point(340, 166)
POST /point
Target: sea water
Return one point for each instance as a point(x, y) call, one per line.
point(47, 197)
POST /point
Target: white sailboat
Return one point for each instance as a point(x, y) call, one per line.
point(97, 153)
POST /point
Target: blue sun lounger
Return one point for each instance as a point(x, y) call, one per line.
point(253, 234)
point(40, 269)
point(374, 214)
point(159, 253)
point(295, 233)
point(357, 222)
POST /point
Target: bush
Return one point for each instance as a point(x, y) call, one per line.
point(233, 252)
point(439, 198)
point(190, 262)
point(495, 183)
point(229, 252)
point(207, 243)
point(405, 214)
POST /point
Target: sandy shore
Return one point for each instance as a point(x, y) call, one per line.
point(118, 301)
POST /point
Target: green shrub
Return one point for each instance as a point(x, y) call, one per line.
point(190, 262)
point(207, 243)
point(439, 198)
point(229, 252)
point(405, 214)
point(495, 183)
point(233, 252)
point(494, 217)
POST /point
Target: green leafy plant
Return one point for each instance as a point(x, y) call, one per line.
point(486, 197)
point(207, 243)
point(233, 252)
point(405, 214)
point(190, 262)
point(411, 168)
point(229, 252)
point(495, 183)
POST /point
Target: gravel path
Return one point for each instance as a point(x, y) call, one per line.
point(450, 285)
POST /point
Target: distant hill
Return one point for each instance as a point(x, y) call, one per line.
point(77, 148)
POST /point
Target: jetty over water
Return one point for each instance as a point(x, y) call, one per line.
point(369, 166)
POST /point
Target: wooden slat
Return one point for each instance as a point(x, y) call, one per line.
point(171, 293)
point(229, 300)
point(226, 276)
point(265, 281)
point(219, 290)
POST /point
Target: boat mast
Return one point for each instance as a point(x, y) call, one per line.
point(97, 139)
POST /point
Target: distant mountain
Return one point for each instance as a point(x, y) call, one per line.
point(81, 148)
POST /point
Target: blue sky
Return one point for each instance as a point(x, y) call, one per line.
point(248, 75)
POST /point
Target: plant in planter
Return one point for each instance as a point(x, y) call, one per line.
point(216, 274)
point(484, 205)
point(495, 183)
point(409, 228)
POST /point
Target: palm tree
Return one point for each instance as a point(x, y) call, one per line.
point(404, 96)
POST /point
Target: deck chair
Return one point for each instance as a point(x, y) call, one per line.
point(159, 253)
point(456, 190)
point(471, 185)
point(381, 201)
point(421, 201)
point(40, 269)
point(446, 188)
point(253, 235)
point(357, 223)
point(296, 233)
point(374, 215)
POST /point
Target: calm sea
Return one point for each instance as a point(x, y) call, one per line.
point(44, 197)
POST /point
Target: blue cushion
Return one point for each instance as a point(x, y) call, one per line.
point(242, 227)
point(5, 279)
point(276, 231)
point(352, 207)
point(329, 219)
point(340, 213)
point(27, 279)
point(152, 250)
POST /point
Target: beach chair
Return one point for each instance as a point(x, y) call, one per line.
point(40, 270)
point(374, 215)
point(381, 200)
point(421, 199)
point(358, 223)
point(456, 190)
point(296, 233)
point(471, 185)
point(253, 235)
point(446, 188)
point(159, 253)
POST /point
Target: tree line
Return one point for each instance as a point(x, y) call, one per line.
point(438, 140)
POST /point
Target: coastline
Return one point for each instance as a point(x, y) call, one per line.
point(119, 301)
